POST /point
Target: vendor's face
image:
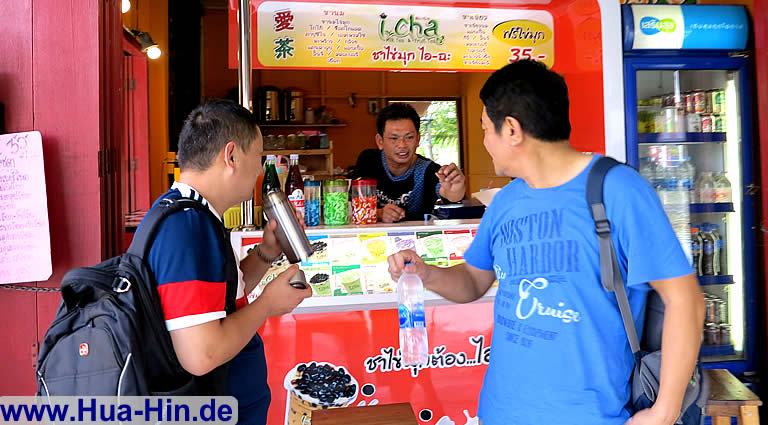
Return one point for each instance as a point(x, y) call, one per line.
point(399, 141)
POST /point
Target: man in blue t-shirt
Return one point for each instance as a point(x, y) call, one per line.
point(560, 353)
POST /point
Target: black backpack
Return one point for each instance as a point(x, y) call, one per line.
point(109, 336)
point(646, 375)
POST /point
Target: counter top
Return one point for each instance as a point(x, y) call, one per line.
point(349, 256)
point(405, 226)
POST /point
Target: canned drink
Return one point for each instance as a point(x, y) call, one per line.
point(700, 102)
point(690, 104)
point(668, 100)
point(722, 311)
point(711, 334)
point(710, 311)
point(707, 123)
point(725, 334)
point(718, 123)
point(717, 100)
point(693, 123)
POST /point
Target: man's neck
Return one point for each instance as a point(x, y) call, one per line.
point(398, 169)
point(553, 164)
point(207, 187)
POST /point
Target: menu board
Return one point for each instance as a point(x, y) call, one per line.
point(302, 34)
point(356, 264)
point(25, 242)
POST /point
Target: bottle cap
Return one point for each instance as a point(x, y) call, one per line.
point(294, 156)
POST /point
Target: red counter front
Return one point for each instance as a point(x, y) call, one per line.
point(359, 333)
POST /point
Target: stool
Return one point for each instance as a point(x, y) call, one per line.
point(386, 414)
point(728, 398)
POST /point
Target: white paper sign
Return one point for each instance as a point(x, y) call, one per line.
point(25, 240)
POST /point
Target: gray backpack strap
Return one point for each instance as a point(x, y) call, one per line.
point(610, 274)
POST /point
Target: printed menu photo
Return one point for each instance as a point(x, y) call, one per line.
point(345, 250)
point(347, 280)
point(319, 278)
point(375, 248)
point(431, 246)
point(402, 240)
point(376, 279)
point(320, 246)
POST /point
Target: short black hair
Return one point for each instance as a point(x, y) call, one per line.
point(534, 95)
point(210, 127)
point(394, 112)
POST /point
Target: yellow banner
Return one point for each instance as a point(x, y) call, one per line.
point(375, 36)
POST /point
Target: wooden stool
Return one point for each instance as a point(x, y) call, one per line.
point(387, 414)
point(728, 398)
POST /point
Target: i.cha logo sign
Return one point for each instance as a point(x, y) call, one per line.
point(650, 25)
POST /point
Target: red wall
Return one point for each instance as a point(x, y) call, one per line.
point(50, 69)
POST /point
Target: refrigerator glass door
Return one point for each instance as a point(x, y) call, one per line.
point(689, 136)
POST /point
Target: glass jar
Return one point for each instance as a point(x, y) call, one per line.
point(312, 203)
point(363, 195)
point(335, 202)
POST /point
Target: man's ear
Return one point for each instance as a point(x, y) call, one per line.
point(379, 141)
point(229, 154)
point(512, 130)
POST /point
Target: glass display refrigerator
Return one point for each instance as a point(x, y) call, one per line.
point(689, 132)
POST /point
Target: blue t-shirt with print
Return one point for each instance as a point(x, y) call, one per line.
point(560, 354)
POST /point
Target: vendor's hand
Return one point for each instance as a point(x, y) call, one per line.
point(391, 213)
point(452, 182)
point(397, 265)
point(650, 417)
point(282, 298)
point(270, 247)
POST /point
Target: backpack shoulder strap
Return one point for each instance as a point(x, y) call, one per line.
point(610, 274)
point(142, 241)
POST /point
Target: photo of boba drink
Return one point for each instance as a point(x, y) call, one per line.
point(316, 386)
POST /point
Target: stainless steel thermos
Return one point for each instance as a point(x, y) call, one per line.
point(289, 232)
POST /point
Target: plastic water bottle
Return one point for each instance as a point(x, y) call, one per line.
point(705, 187)
point(648, 170)
point(676, 198)
point(688, 174)
point(413, 330)
point(723, 191)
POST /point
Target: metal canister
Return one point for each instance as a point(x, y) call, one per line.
point(693, 123)
point(725, 334)
point(717, 101)
point(690, 104)
point(718, 123)
point(712, 334)
point(710, 311)
point(669, 119)
point(289, 232)
point(700, 104)
point(707, 123)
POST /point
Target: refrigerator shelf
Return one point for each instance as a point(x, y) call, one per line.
point(721, 207)
point(716, 280)
point(717, 350)
point(649, 138)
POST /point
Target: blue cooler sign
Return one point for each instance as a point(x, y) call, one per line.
point(685, 27)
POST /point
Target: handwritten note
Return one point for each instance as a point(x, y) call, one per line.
point(25, 241)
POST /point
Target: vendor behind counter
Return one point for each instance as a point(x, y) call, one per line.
point(408, 185)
